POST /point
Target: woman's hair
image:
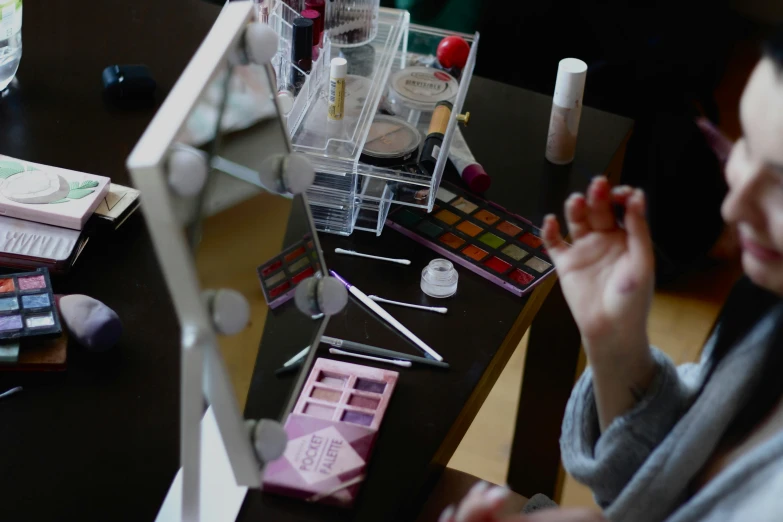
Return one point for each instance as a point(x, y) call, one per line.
point(746, 305)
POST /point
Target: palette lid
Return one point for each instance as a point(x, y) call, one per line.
point(50, 195)
point(422, 88)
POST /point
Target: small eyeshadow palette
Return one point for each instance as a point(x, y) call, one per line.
point(27, 306)
point(331, 433)
point(280, 275)
point(481, 236)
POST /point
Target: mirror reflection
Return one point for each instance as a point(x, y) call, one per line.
point(244, 237)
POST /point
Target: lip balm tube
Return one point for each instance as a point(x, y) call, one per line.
point(337, 73)
point(566, 111)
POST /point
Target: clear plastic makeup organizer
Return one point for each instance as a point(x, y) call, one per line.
point(350, 193)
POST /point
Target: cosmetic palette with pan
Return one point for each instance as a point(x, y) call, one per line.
point(27, 306)
point(481, 236)
point(331, 433)
point(280, 275)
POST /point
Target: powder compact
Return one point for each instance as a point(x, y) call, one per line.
point(481, 236)
point(421, 88)
point(27, 306)
point(331, 433)
point(390, 141)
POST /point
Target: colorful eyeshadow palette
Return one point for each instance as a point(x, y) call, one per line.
point(27, 306)
point(280, 275)
point(331, 433)
point(481, 236)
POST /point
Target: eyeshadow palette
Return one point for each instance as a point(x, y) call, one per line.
point(27, 306)
point(331, 433)
point(481, 236)
point(280, 275)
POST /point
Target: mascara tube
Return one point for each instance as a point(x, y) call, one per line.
point(301, 52)
point(434, 141)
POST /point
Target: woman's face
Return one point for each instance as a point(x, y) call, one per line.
point(755, 177)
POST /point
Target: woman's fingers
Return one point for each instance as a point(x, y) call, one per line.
point(560, 515)
point(553, 239)
point(639, 241)
point(576, 216)
point(599, 211)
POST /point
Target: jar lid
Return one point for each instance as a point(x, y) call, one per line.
point(422, 88)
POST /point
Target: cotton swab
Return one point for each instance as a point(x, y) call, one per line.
point(438, 309)
point(368, 256)
point(396, 362)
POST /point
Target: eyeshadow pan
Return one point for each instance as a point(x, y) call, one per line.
point(474, 252)
point(531, 240)
point(279, 290)
point(447, 217)
point(509, 228)
point(539, 265)
point(444, 195)
point(272, 281)
point(10, 322)
point(35, 301)
point(360, 401)
point(514, 252)
point(268, 269)
point(523, 278)
point(32, 282)
point(492, 240)
point(451, 240)
point(464, 205)
point(6, 285)
point(407, 218)
point(431, 229)
point(299, 265)
point(319, 410)
point(9, 303)
point(355, 417)
point(466, 227)
point(486, 216)
point(332, 379)
point(307, 272)
point(39, 321)
point(498, 265)
point(326, 395)
point(369, 385)
point(293, 255)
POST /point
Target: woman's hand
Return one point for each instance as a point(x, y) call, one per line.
point(485, 504)
point(607, 277)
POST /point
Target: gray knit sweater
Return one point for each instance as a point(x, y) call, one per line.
point(641, 467)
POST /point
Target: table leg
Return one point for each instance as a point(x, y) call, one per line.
point(550, 368)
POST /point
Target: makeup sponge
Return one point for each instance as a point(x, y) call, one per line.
point(93, 324)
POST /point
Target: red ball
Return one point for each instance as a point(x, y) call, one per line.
point(453, 51)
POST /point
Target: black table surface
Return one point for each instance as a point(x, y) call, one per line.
point(100, 441)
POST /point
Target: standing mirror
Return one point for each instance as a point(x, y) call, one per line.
point(224, 202)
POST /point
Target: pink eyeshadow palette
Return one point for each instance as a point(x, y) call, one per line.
point(331, 433)
point(485, 238)
point(280, 275)
point(27, 306)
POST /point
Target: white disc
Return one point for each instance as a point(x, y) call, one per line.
point(187, 170)
point(270, 440)
point(299, 174)
point(230, 311)
point(260, 43)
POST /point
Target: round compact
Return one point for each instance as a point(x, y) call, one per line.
point(421, 88)
point(439, 279)
point(390, 141)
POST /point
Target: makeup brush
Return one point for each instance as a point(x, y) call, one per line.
point(396, 362)
point(368, 256)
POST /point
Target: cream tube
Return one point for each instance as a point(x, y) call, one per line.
point(471, 172)
point(566, 111)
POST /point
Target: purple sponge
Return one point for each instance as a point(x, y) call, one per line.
point(91, 323)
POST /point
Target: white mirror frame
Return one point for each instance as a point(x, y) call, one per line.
point(203, 372)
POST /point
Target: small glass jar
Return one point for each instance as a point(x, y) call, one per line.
point(439, 279)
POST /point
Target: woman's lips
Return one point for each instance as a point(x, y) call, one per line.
point(760, 252)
